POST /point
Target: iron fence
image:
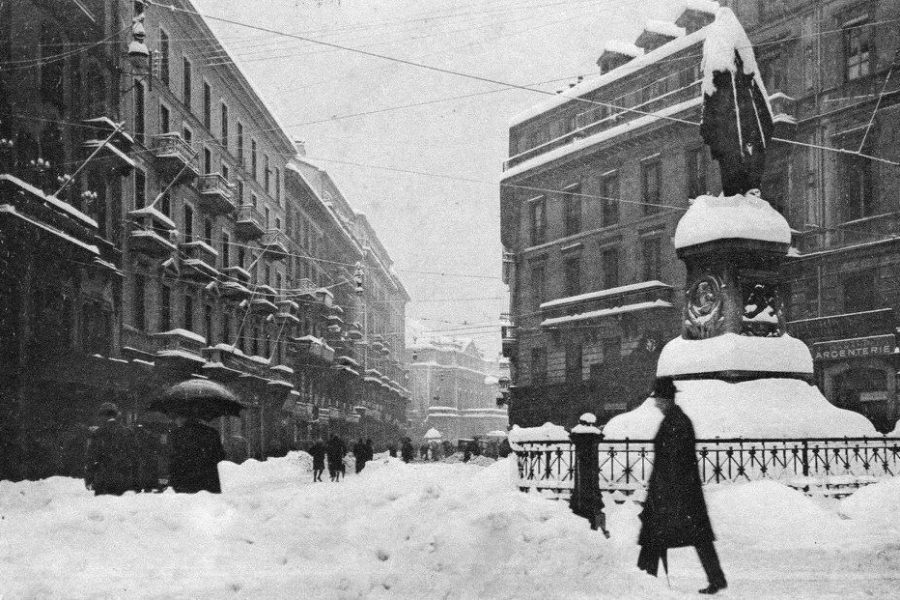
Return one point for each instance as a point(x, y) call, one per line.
point(808, 464)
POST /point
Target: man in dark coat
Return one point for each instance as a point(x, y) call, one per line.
point(146, 464)
point(317, 451)
point(194, 456)
point(110, 462)
point(674, 512)
point(360, 453)
point(336, 451)
point(407, 452)
point(370, 449)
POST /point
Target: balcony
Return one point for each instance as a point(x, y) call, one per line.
point(275, 243)
point(239, 274)
point(280, 376)
point(116, 160)
point(228, 362)
point(199, 261)
point(784, 113)
point(179, 348)
point(151, 233)
point(249, 224)
point(232, 290)
point(287, 311)
point(849, 233)
point(355, 331)
point(263, 301)
point(509, 340)
point(174, 156)
point(216, 195)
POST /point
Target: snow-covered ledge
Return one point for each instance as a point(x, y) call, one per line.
point(743, 216)
point(732, 352)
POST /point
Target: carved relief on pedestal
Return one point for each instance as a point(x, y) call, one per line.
point(703, 317)
point(763, 315)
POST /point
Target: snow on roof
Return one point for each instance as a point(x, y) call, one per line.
point(707, 6)
point(733, 352)
point(615, 291)
point(725, 37)
point(51, 200)
point(621, 47)
point(666, 28)
point(740, 216)
point(183, 333)
point(606, 312)
point(592, 83)
point(602, 136)
point(760, 408)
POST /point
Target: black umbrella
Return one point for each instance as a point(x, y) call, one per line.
point(199, 398)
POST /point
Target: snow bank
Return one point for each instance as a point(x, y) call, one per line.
point(395, 531)
point(732, 352)
point(548, 432)
point(743, 216)
point(877, 505)
point(278, 471)
point(762, 408)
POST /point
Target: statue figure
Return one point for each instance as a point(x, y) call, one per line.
point(737, 121)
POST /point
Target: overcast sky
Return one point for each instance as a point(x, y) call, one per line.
point(442, 214)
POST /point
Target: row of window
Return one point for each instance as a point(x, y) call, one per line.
point(574, 367)
point(610, 264)
point(610, 200)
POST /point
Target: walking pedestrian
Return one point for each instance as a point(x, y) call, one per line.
point(146, 464)
point(370, 450)
point(110, 463)
point(317, 451)
point(195, 453)
point(407, 452)
point(674, 513)
point(359, 454)
point(335, 452)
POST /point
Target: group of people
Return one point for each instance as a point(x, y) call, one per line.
point(121, 459)
point(334, 452)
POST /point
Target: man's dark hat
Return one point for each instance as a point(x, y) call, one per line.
point(664, 387)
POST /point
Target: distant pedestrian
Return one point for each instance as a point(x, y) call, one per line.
point(110, 455)
point(335, 451)
point(674, 512)
point(392, 450)
point(317, 451)
point(359, 454)
point(146, 464)
point(407, 452)
point(370, 450)
point(194, 456)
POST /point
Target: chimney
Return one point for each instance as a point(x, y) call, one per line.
point(300, 147)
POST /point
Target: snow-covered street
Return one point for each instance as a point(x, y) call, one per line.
point(422, 531)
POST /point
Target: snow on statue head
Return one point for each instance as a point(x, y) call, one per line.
point(737, 119)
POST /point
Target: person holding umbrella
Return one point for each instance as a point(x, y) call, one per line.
point(195, 448)
point(674, 513)
point(111, 454)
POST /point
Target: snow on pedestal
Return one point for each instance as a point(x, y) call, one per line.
point(761, 408)
point(743, 216)
point(732, 352)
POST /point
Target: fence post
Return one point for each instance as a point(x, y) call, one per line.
point(805, 458)
point(586, 501)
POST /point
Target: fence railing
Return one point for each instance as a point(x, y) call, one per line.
point(625, 465)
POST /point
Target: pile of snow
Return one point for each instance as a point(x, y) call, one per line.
point(761, 408)
point(896, 431)
point(397, 531)
point(623, 48)
point(288, 469)
point(548, 432)
point(877, 505)
point(742, 216)
point(733, 352)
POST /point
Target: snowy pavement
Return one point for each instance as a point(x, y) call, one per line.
point(422, 531)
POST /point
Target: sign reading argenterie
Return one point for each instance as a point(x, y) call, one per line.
point(876, 345)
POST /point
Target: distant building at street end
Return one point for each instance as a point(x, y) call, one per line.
point(454, 390)
point(598, 177)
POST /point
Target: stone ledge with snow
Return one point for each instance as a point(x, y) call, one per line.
point(733, 352)
point(742, 216)
point(761, 408)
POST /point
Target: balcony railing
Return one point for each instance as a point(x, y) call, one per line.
point(174, 155)
point(151, 233)
point(199, 261)
point(216, 195)
point(830, 466)
point(249, 223)
point(850, 233)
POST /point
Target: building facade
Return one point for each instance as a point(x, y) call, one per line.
point(454, 390)
point(598, 178)
point(187, 245)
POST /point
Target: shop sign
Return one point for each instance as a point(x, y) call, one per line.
point(879, 396)
point(864, 347)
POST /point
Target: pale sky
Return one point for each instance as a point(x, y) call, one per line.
point(442, 214)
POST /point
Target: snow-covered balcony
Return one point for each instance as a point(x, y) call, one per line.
point(613, 302)
point(226, 362)
point(784, 113)
point(199, 261)
point(216, 195)
point(115, 158)
point(174, 156)
point(237, 273)
point(179, 348)
point(249, 224)
point(280, 376)
point(276, 243)
point(509, 336)
point(151, 233)
point(287, 311)
point(263, 300)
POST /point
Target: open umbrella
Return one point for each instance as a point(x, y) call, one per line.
point(199, 398)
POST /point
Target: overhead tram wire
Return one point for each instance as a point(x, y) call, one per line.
point(474, 77)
